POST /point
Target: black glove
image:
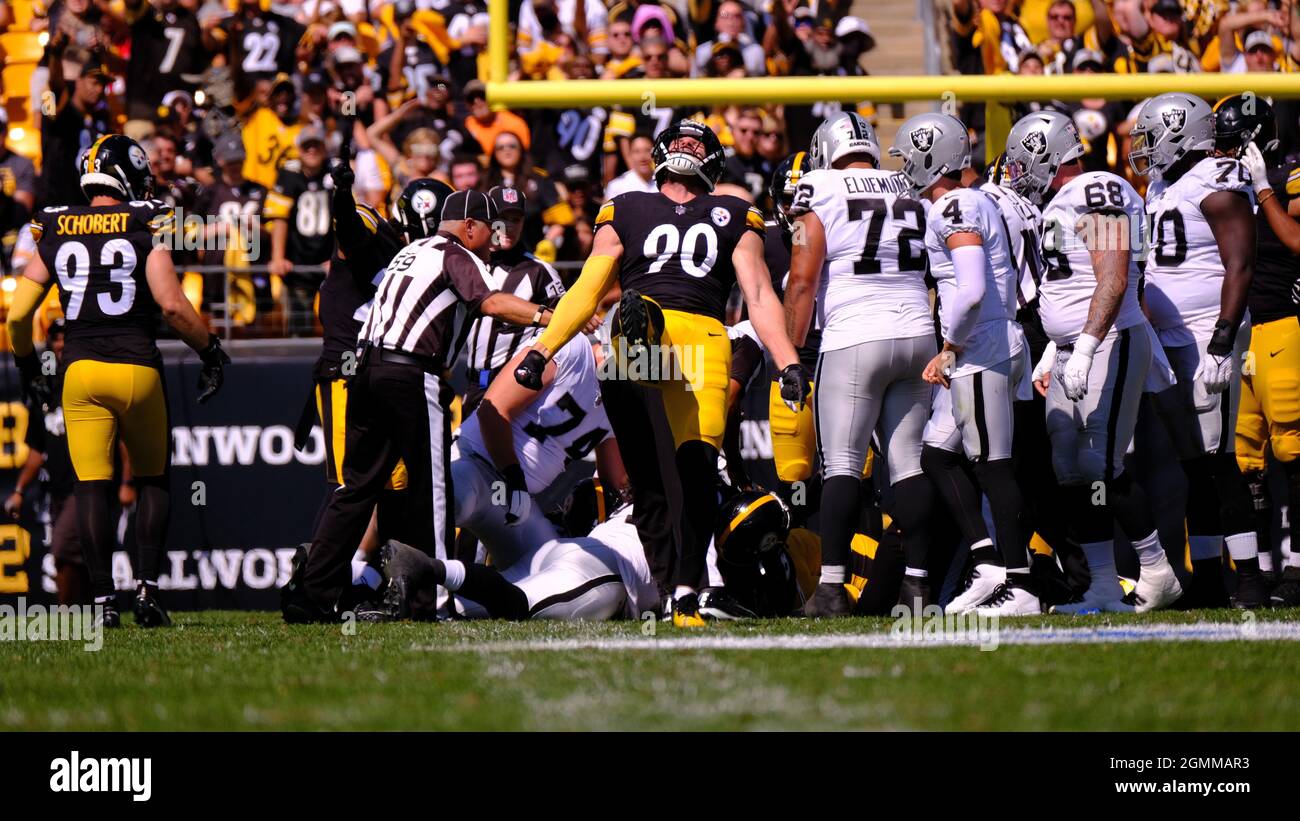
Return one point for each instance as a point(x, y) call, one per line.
point(529, 372)
point(342, 175)
point(35, 383)
point(213, 375)
point(518, 499)
point(795, 387)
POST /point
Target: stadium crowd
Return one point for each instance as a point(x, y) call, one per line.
point(360, 137)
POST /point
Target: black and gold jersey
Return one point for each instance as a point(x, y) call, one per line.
point(97, 255)
point(304, 202)
point(776, 253)
point(368, 245)
point(679, 255)
point(1276, 268)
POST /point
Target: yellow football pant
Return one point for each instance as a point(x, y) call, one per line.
point(1270, 395)
point(332, 405)
point(101, 399)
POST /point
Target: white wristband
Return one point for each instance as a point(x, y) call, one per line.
point(1086, 344)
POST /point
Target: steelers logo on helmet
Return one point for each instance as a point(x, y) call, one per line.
point(136, 154)
point(423, 201)
point(720, 216)
point(1091, 123)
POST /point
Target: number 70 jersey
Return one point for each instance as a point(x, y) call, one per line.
point(873, 277)
point(1066, 290)
point(564, 422)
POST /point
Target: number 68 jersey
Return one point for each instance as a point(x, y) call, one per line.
point(97, 255)
point(873, 276)
point(1184, 271)
point(679, 254)
point(1069, 282)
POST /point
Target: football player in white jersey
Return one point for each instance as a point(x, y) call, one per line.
point(518, 442)
point(983, 358)
point(858, 251)
point(1095, 367)
point(1199, 265)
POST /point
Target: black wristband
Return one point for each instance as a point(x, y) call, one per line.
point(1225, 336)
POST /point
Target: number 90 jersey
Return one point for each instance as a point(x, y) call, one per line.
point(97, 255)
point(873, 277)
point(679, 255)
point(564, 422)
point(1065, 293)
point(1184, 272)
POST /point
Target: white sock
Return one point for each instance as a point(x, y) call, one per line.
point(1205, 547)
point(919, 573)
point(1149, 551)
point(1266, 561)
point(1101, 567)
point(363, 573)
point(683, 590)
point(832, 574)
point(981, 543)
point(455, 574)
point(1242, 546)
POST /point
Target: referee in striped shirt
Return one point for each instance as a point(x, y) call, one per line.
point(398, 401)
point(515, 270)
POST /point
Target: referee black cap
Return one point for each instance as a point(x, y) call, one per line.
point(469, 205)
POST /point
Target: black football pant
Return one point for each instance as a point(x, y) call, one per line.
point(395, 411)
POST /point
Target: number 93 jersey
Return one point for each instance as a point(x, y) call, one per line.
point(996, 337)
point(1184, 272)
point(679, 254)
point(1069, 282)
point(563, 423)
point(873, 277)
point(97, 255)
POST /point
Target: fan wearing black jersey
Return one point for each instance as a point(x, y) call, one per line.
point(115, 275)
point(676, 254)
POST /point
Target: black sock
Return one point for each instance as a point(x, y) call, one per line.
point(1202, 497)
point(95, 530)
point(489, 588)
point(1261, 506)
point(697, 467)
point(952, 483)
point(913, 507)
point(839, 518)
point(151, 515)
point(998, 481)
point(1130, 506)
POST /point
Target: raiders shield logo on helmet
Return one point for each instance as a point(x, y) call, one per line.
point(1034, 142)
point(1174, 118)
point(923, 138)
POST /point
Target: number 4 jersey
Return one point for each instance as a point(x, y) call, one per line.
point(679, 254)
point(1068, 284)
point(97, 255)
point(1184, 273)
point(565, 422)
point(873, 277)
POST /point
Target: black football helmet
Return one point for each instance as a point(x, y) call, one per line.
point(708, 166)
point(418, 209)
point(781, 188)
point(116, 166)
point(1243, 119)
point(750, 524)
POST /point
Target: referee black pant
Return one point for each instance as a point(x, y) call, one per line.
point(395, 411)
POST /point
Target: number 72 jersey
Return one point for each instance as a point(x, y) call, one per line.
point(97, 255)
point(1069, 281)
point(873, 276)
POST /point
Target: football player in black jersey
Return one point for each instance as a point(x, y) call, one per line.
point(675, 254)
point(115, 275)
point(302, 233)
point(1270, 388)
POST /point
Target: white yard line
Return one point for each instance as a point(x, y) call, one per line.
point(888, 640)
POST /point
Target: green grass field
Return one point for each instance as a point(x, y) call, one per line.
point(240, 671)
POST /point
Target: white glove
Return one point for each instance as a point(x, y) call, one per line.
point(1215, 372)
point(1254, 162)
point(1045, 363)
point(1074, 376)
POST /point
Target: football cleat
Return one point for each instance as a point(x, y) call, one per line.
point(914, 594)
point(717, 603)
point(148, 612)
point(1252, 593)
point(981, 584)
point(109, 618)
point(1205, 591)
point(828, 601)
point(1011, 600)
point(1157, 587)
point(686, 611)
point(1287, 592)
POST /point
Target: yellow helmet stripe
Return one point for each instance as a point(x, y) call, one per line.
point(94, 149)
point(742, 515)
